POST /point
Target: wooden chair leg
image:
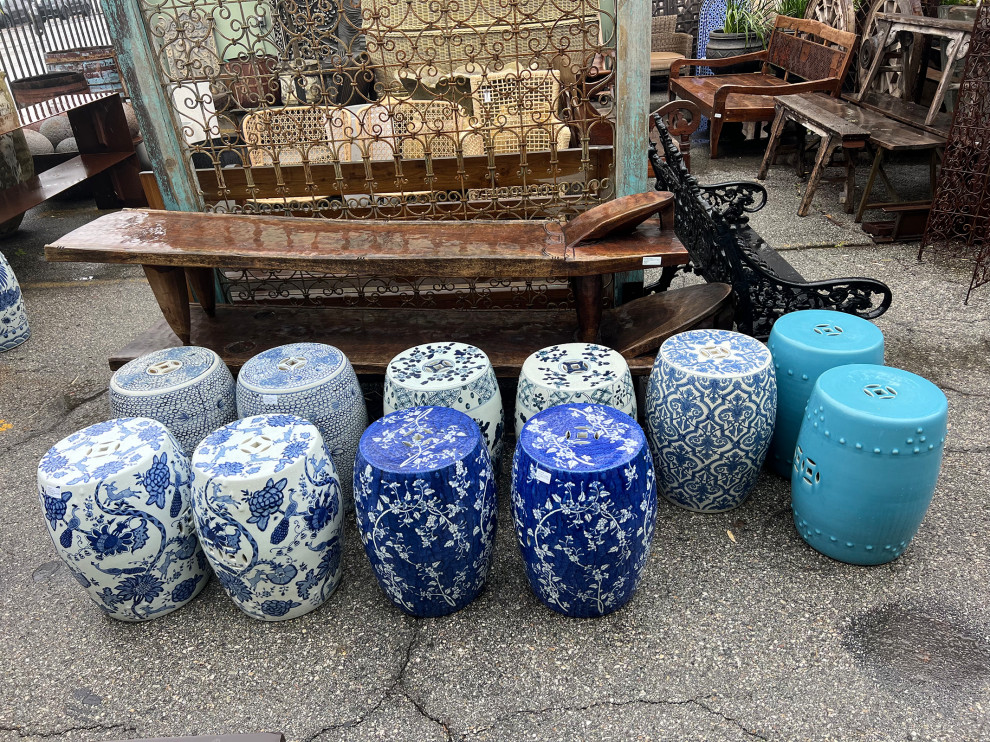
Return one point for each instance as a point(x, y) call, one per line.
point(203, 283)
point(850, 194)
point(168, 283)
point(771, 154)
point(825, 150)
point(715, 129)
point(864, 201)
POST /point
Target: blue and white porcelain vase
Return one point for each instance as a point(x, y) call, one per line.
point(573, 372)
point(188, 389)
point(317, 383)
point(424, 490)
point(584, 500)
point(116, 499)
point(805, 344)
point(866, 461)
point(453, 375)
point(710, 408)
point(14, 328)
point(266, 497)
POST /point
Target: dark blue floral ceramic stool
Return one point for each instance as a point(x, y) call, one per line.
point(585, 501)
point(424, 491)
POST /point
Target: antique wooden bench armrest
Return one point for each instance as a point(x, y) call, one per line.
point(676, 65)
point(828, 84)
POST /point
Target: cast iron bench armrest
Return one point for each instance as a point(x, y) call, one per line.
point(734, 198)
point(676, 65)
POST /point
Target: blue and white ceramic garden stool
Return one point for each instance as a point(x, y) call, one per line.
point(452, 375)
point(189, 389)
point(584, 500)
point(803, 345)
point(866, 461)
point(14, 328)
point(710, 408)
point(573, 372)
point(425, 496)
point(315, 382)
point(266, 497)
point(116, 499)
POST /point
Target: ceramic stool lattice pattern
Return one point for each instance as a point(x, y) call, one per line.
point(188, 389)
point(573, 372)
point(116, 499)
point(866, 461)
point(803, 345)
point(14, 328)
point(425, 496)
point(710, 408)
point(452, 375)
point(315, 382)
point(584, 504)
point(267, 502)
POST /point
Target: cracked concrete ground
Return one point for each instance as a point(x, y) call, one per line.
point(751, 637)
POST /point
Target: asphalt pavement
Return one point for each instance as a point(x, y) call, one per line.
point(738, 630)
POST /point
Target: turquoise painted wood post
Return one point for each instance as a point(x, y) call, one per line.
point(632, 95)
point(139, 67)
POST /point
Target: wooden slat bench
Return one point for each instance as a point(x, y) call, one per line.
point(182, 249)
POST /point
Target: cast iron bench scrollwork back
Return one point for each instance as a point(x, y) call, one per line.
point(713, 223)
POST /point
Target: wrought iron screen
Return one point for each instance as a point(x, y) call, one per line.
point(959, 222)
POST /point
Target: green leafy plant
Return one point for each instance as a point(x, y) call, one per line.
point(970, 3)
point(741, 18)
point(791, 8)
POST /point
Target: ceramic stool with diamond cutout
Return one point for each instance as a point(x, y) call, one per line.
point(266, 497)
point(14, 328)
point(584, 502)
point(573, 372)
point(116, 499)
point(710, 408)
point(803, 345)
point(315, 382)
point(188, 389)
point(424, 491)
point(866, 461)
point(453, 375)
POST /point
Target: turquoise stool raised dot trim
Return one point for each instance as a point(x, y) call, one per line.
point(804, 344)
point(866, 461)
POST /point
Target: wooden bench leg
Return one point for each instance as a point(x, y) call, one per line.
point(864, 201)
point(201, 280)
point(714, 130)
point(169, 286)
point(850, 194)
point(588, 298)
point(825, 150)
point(771, 154)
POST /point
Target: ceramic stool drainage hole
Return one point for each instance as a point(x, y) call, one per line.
point(714, 352)
point(292, 363)
point(826, 328)
point(102, 449)
point(879, 391)
point(581, 434)
point(257, 444)
point(164, 367)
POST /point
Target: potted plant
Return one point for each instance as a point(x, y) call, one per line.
point(959, 10)
point(745, 30)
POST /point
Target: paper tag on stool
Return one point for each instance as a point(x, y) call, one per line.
point(542, 476)
point(269, 399)
point(52, 490)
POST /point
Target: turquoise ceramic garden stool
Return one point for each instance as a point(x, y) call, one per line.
point(803, 345)
point(866, 461)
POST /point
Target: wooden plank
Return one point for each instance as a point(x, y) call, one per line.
point(53, 107)
point(906, 112)
point(927, 23)
point(139, 65)
point(19, 198)
point(825, 111)
point(511, 249)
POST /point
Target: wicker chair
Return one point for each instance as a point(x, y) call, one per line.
point(667, 45)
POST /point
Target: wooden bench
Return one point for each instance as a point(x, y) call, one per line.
point(180, 250)
point(817, 54)
point(712, 223)
point(106, 156)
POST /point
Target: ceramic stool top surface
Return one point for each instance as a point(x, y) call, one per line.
point(293, 367)
point(418, 440)
point(435, 367)
point(575, 367)
point(715, 353)
point(164, 370)
point(818, 339)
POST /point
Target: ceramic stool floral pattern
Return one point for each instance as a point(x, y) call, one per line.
point(803, 345)
point(315, 382)
point(266, 497)
point(710, 408)
point(866, 461)
point(584, 503)
point(188, 389)
point(425, 495)
point(116, 499)
point(452, 375)
point(14, 328)
point(573, 372)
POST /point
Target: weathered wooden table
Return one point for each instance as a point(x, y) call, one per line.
point(180, 247)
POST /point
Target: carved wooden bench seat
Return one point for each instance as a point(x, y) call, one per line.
point(713, 225)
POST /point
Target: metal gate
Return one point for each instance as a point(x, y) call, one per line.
point(31, 28)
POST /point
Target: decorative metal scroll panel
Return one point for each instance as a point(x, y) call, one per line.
point(959, 223)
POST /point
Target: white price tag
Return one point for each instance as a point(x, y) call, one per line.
point(653, 260)
point(52, 490)
point(542, 476)
point(269, 399)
